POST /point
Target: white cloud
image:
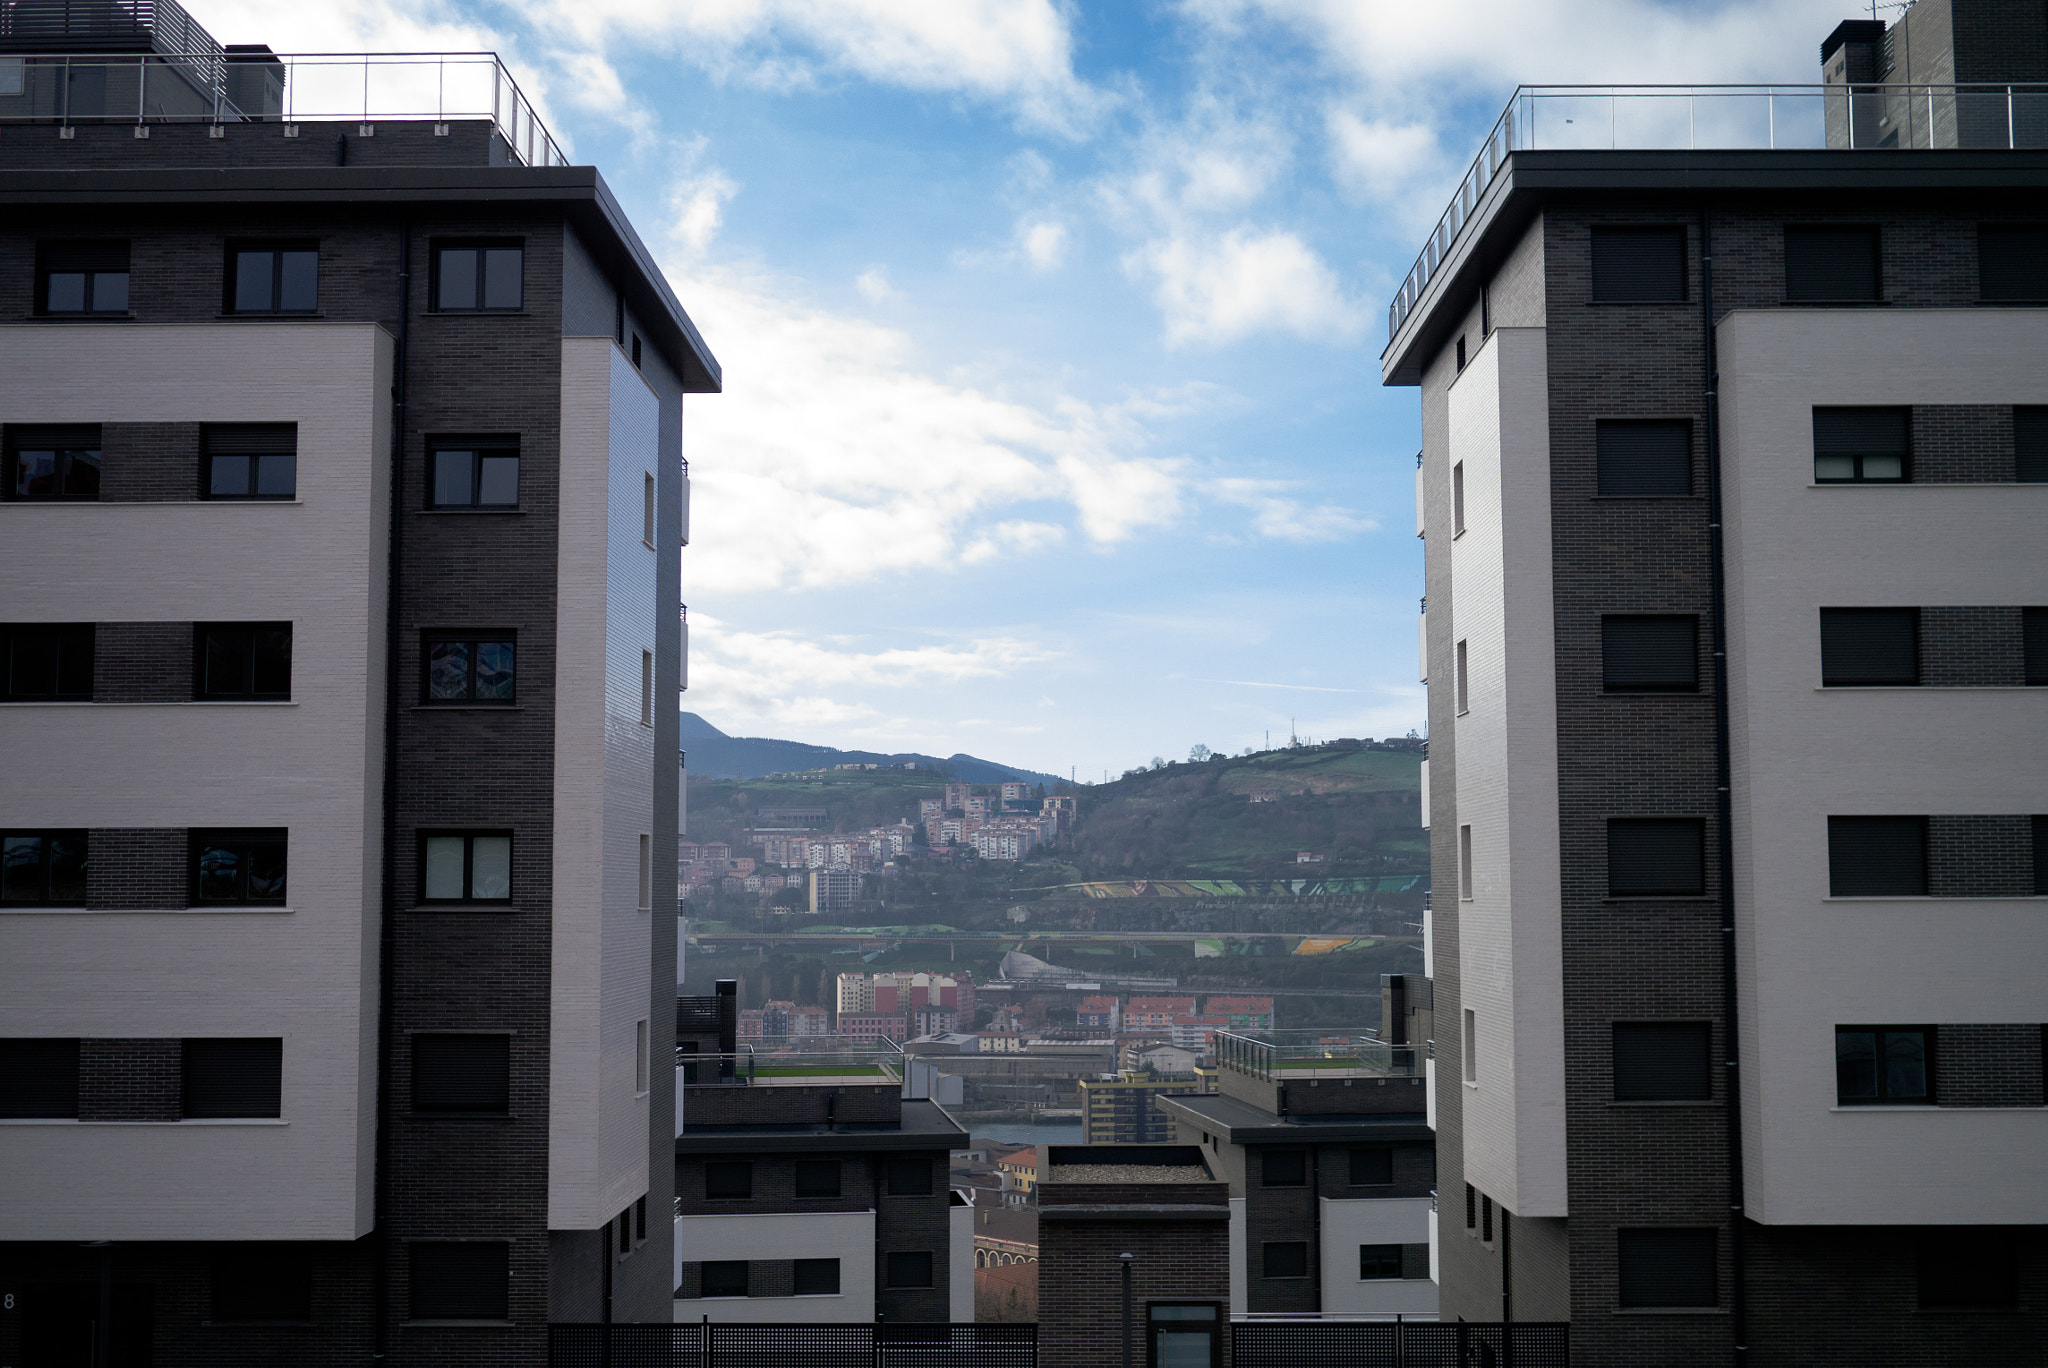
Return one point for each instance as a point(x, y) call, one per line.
point(1378, 155)
point(696, 207)
point(874, 286)
point(1044, 243)
point(1219, 288)
point(1275, 514)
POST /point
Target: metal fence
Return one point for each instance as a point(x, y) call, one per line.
point(878, 1345)
point(1378, 1344)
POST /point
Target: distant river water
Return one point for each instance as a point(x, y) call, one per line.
point(1028, 1135)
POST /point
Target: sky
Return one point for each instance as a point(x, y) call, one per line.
point(1052, 428)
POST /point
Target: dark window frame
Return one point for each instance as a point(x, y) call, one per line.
point(475, 641)
point(1643, 1238)
point(1671, 822)
point(1642, 685)
point(499, 1297)
point(1839, 627)
point(1639, 1089)
point(2034, 645)
point(254, 444)
point(18, 1103)
point(202, 673)
point(1611, 457)
point(816, 1167)
point(910, 1280)
point(729, 1169)
point(725, 1279)
point(481, 246)
point(245, 843)
point(817, 1268)
point(2030, 443)
point(421, 1099)
point(99, 249)
point(1814, 231)
point(468, 836)
point(284, 1266)
point(1668, 233)
point(1267, 1250)
point(1904, 455)
point(193, 1050)
point(275, 248)
point(1371, 1153)
point(1277, 1162)
point(1372, 1257)
point(65, 663)
point(1882, 1096)
point(908, 1178)
point(2011, 233)
point(66, 442)
point(46, 879)
point(480, 448)
point(1847, 879)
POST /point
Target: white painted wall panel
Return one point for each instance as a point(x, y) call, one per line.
point(848, 1236)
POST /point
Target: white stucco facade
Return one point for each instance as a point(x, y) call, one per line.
point(848, 1236)
point(1347, 1223)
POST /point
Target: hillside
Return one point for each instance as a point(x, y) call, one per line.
point(714, 755)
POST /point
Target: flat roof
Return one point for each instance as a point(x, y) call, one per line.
point(924, 1126)
point(1241, 1123)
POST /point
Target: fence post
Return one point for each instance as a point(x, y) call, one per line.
point(704, 1350)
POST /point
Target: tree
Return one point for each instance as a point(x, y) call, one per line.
point(1198, 753)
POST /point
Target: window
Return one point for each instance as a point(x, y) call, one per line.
point(245, 661)
point(636, 351)
point(266, 277)
point(460, 1280)
point(910, 1270)
point(1471, 1043)
point(2034, 634)
point(462, 1072)
point(729, 1178)
point(1656, 857)
point(239, 866)
point(647, 688)
point(817, 1277)
point(251, 460)
point(234, 1077)
point(1282, 1168)
point(1471, 1207)
point(1285, 1259)
point(1464, 683)
point(1967, 1269)
point(1862, 445)
point(2030, 445)
point(46, 662)
point(1867, 646)
point(42, 868)
point(38, 1078)
point(910, 1177)
point(1635, 458)
point(1662, 1061)
point(55, 463)
point(466, 866)
point(1880, 1064)
point(262, 1282)
point(1639, 265)
point(1371, 1167)
point(641, 1058)
point(817, 1177)
point(2012, 264)
point(1485, 1218)
point(624, 1225)
point(468, 667)
point(1650, 654)
point(82, 277)
point(640, 1218)
point(1457, 498)
point(1461, 356)
point(472, 277)
point(723, 1278)
point(647, 510)
point(1465, 863)
point(2041, 886)
point(1832, 266)
point(478, 472)
point(1667, 1267)
point(1379, 1261)
point(1877, 857)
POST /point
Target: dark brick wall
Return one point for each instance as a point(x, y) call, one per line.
point(179, 146)
point(1983, 856)
point(1282, 1214)
point(1080, 1288)
point(139, 868)
point(1972, 647)
point(1963, 444)
point(576, 1262)
point(142, 662)
point(720, 1104)
point(149, 462)
point(1355, 1096)
point(131, 1080)
point(1979, 1064)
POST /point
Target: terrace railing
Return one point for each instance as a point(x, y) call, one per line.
point(857, 1345)
point(1725, 117)
point(798, 1059)
point(1273, 1055)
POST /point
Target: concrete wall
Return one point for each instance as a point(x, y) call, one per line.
point(1347, 1224)
point(848, 1236)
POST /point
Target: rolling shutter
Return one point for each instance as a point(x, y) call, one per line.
point(1868, 646)
point(1862, 432)
point(242, 1078)
point(1877, 857)
point(1650, 653)
point(1651, 857)
point(459, 1281)
point(39, 1079)
point(1662, 1061)
point(1832, 265)
point(1667, 1267)
point(1638, 265)
point(251, 439)
point(1643, 457)
point(101, 255)
point(2041, 884)
point(2030, 445)
point(462, 1073)
point(2012, 264)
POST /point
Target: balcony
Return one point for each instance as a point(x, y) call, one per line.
point(796, 1062)
point(1728, 117)
point(1275, 1056)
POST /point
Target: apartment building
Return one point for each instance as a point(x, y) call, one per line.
point(1120, 1109)
point(1731, 489)
point(343, 506)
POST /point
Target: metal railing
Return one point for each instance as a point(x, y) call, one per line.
point(797, 1060)
point(1273, 1055)
point(364, 88)
point(877, 1344)
point(1725, 117)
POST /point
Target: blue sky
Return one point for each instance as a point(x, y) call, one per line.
point(1052, 428)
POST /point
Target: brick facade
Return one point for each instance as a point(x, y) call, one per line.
point(142, 662)
point(131, 1080)
point(137, 869)
point(1972, 648)
point(1980, 856)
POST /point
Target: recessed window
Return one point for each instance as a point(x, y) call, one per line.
point(257, 1283)
point(1862, 445)
point(1457, 498)
point(907, 1270)
point(1832, 265)
point(1879, 1064)
point(1967, 1269)
point(1650, 654)
point(463, 1073)
point(2030, 445)
point(1656, 857)
point(2034, 637)
point(468, 667)
point(244, 661)
point(485, 276)
point(1471, 1207)
point(642, 1060)
point(1282, 1168)
point(466, 866)
point(268, 278)
point(38, 1078)
point(42, 868)
point(2040, 824)
point(640, 1218)
point(237, 1077)
point(1638, 458)
point(82, 277)
point(1667, 1268)
point(250, 460)
point(817, 1177)
point(234, 867)
point(46, 662)
point(53, 463)
point(1877, 857)
point(729, 1178)
point(1378, 1261)
point(1869, 646)
point(910, 1177)
point(2012, 263)
point(647, 510)
point(1372, 1167)
point(483, 473)
point(1464, 682)
point(647, 688)
point(636, 351)
point(1485, 1218)
point(722, 1278)
point(1633, 265)
point(1284, 1259)
point(1461, 356)
point(817, 1277)
point(1465, 863)
point(1471, 1043)
point(460, 1280)
point(625, 1229)
point(1662, 1061)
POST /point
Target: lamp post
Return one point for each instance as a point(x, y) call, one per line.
point(1125, 1261)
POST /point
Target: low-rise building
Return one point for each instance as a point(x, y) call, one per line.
point(1156, 1013)
point(1242, 1013)
point(1198, 1032)
point(1119, 1110)
point(1097, 1014)
point(1019, 1170)
point(870, 1026)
